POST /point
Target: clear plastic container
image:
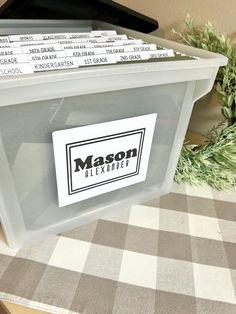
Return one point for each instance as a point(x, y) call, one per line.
point(35, 105)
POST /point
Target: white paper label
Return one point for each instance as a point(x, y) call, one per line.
point(10, 51)
point(59, 64)
point(34, 43)
point(144, 47)
point(6, 46)
point(105, 45)
point(97, 60)
point(80, 35)
point(26, 37)
point(96, 40)
point(17, 69)
point(106, 39)
point(41, 48)
point(46, 56)
point(73, 41)
point(84, 52)
point(129, 42)
point(132, 56)
point(14, 59)
point(104, 33)
point(120, 49)
point(76, 46)
point(165, 53)
point(56, 36)
point(96, 159)
point(115, 38)
point(4, 39)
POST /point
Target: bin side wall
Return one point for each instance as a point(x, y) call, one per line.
point(26, 132)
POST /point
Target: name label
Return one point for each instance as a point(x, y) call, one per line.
point(95, 159)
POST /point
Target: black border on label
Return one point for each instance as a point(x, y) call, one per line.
point(69, 146)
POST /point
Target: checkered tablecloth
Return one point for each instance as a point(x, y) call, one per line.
point(174, 255)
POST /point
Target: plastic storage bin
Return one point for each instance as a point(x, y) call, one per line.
point(35, 105)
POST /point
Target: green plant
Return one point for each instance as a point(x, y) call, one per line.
point(214, 162)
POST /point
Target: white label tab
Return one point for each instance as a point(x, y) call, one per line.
point(73, 41)
point(80, 35)
point(76, 46)
point(59, 64)
point(104, 33)
point(118, 49)
point(115, 38)
point(26, 37)
point(97, 60)
point(41, 48)
point(10, 51)
point(4, 39)
point(144, 47)
point(34, 43)
point(96, 40)
point(21, 58)
point(127, 48)
point(100, 158)
point(84, 52)
point(132, 56)
point(165, 53)
point(17, 69)
point(6, 46)
point(104, 45)
point(46, 56)
point(129, 42)
point(55, 36)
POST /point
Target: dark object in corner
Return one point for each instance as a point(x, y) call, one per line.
point(102, 10)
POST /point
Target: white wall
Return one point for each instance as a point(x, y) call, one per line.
point(171, 14)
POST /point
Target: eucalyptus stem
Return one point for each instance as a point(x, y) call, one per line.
point(205, 37)
point(215, 161)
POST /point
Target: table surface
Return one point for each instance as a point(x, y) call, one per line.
point(170, 255)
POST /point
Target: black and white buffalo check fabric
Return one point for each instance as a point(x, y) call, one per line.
point(176, 254)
